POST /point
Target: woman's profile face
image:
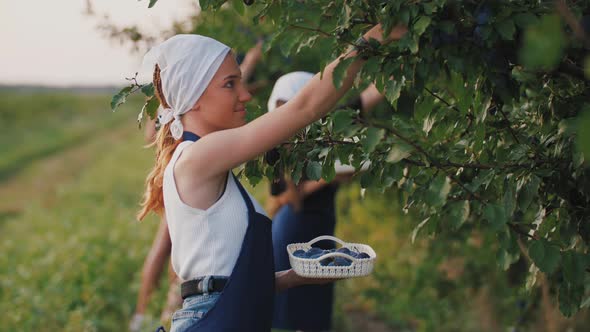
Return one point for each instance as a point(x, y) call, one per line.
point(222, 105)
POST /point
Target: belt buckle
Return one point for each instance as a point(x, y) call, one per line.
point(209, 285)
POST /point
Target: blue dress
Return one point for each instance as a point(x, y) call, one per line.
point(306, 307)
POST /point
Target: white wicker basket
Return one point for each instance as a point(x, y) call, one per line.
point(311, 267)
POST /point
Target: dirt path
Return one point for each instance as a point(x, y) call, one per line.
point(43, 177)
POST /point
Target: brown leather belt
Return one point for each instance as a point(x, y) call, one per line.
point(196, 287)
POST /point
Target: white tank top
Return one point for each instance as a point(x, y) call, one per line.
point(205, 242)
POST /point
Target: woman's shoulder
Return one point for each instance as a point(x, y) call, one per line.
point(196, 189)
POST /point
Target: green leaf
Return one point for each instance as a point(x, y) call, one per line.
point(151, 107)
point(120, 97)
point(459, 212)
point(509, 198)
point(253, 172)
point(545, 255)
point(367, 179)
point(495, 215)
point(522, 75)
point(287, 42)
point(428, 123)
point(344, 17)
point(372, 67)
point(152, 3)
point(393, 89)
point(340, 71)
point(570, 298)
point(543, 44)
point(506, 29)
point(404, 16)
point(518, 152)
point(391, 173)
point(574, 267)
point(297, 172)
point(343, 153)
point(418, 228)
point(341, 120)
point(328, 170)
point(421, 25)
point(508, 251)
point(414, 44)
point(313, 170)
point(398, 152)
point(506, 258)
point(148, 90)
point(429, 8)
point(528, 192)
point(438, 191)
point(372, 138)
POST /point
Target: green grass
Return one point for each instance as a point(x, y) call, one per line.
point(39, 125)
point(69, 262)
point(72, 250)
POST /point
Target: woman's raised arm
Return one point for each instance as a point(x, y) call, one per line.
point(227, 149)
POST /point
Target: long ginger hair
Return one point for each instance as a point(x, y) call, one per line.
point(153, 197)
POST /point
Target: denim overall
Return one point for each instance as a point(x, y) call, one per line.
point(246, 302)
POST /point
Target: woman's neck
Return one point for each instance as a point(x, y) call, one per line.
point(191, 123)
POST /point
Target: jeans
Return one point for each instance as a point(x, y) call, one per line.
point(193, 309)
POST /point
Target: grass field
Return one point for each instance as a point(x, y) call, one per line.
point(71, 176)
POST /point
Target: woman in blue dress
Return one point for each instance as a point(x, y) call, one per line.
point(305, 212)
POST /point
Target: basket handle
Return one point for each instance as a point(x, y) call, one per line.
point(335, 254)
point(327, 237)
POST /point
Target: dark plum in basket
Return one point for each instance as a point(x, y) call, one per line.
point(327, 261)
point(313, 251)
point(340, 261)
point(344, 250)
point(299, 253)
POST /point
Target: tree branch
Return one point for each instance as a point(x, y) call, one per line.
point(515, 227)
point(442, 100)
point(311, 30)
point(509, 125)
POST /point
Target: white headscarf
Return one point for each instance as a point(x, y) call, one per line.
point(187, 65)
point(287, 86)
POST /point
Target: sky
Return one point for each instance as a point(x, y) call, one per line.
point(54, 43)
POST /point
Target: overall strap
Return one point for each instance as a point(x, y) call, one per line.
point(245, 195)
point(189, 136)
